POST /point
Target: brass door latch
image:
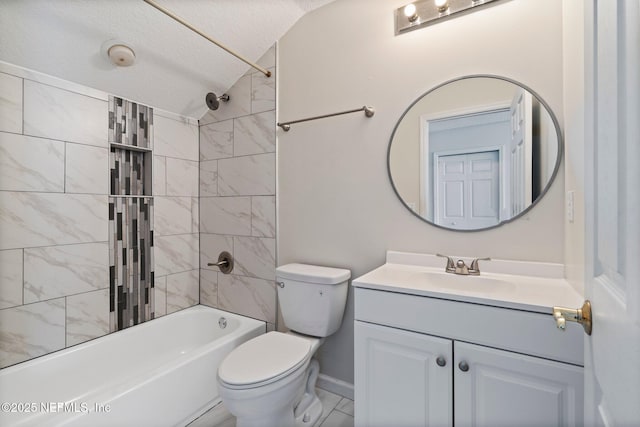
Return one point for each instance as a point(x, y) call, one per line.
point(581, 315)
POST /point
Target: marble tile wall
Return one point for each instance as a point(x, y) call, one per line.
point(176, 220)
point(54, 233)
point(53, 218)
point(237, 197)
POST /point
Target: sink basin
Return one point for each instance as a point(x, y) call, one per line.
point(520, 285)
point(460, 283)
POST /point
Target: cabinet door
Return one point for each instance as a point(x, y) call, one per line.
point(398, 381)
point(501, 388)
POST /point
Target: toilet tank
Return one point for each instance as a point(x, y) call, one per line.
point(312, 298)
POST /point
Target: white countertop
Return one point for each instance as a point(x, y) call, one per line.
point(528, 286)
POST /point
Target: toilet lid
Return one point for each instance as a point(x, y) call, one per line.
point(263, 358)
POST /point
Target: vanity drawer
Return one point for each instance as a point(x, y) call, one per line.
point(514, 330)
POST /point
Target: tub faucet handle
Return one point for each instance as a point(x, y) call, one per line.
point(225, 262)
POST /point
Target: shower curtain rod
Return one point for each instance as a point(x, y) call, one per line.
point(195, 30)
point(368, 111)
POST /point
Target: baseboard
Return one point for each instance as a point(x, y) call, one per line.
point(335, 385)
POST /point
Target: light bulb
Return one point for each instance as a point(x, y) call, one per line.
point(410, 12)
point(442, 5)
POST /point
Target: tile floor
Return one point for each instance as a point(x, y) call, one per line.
point(337, 412)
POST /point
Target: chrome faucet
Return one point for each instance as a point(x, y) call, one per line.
point(459, 267)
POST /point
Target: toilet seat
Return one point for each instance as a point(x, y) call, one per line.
point(264, 360)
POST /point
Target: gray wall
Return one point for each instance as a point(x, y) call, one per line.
point(574, 96)
point(336, 205)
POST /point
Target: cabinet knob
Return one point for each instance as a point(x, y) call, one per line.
point(464, 366)
point(441, 361)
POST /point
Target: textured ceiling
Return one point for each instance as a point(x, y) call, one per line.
point(174, 66)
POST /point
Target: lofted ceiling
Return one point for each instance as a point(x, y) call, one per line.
point(174, 68)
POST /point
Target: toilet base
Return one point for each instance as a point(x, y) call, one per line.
point(309, 409)
point(311, 415)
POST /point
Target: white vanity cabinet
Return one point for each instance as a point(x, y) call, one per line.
point(422, 361)
point(501, 388)
point(398, 381)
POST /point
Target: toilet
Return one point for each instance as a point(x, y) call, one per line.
point(270, 380)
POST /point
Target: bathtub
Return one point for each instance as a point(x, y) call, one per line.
point(159, 373)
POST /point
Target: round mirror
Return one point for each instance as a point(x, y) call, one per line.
point(474, 153)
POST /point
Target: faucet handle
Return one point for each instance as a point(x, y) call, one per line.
point(474, 267)
point(450, 264)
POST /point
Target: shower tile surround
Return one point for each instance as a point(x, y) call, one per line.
point(55, 189)
point(54, 214)
point(237, 197)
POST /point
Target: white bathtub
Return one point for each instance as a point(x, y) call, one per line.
point(159, 373)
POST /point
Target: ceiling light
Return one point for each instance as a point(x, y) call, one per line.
point(121, 55)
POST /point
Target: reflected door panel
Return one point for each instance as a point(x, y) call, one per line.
point(467, 190)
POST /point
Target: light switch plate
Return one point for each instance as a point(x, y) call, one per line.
point(570, 207)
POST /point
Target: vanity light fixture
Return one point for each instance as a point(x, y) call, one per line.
point(421, 13)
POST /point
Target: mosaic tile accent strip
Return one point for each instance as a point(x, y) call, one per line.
point(130, 123)
point(128, 172)
point(131, 266)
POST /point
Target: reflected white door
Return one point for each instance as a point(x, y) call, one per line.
point(468, 190)
point(612, 193)
point(521, 152)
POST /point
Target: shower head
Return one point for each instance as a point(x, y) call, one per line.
point(213, 101)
